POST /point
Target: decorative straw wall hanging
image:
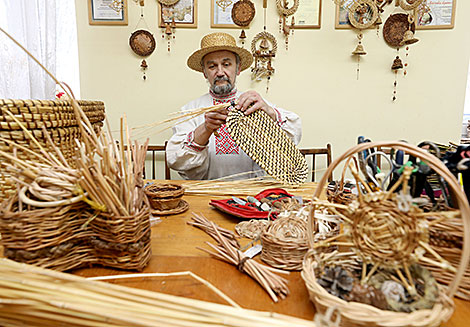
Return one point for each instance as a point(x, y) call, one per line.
point(142, 42)
point(398, 31)
point(385, 237)
point(243, 12)
point(284, 12)
point(268, 145)
point(362, 14)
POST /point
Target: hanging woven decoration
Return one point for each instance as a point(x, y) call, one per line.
point(410, 4)
point(243, 13)
point(285, 11)
point(168, 30)
point(263, 48)
point(142, 42)
point(168, 2)
point(362, 15)
point(394, 31)
point(268, 145)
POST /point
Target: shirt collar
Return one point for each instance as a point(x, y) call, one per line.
point(225, 96)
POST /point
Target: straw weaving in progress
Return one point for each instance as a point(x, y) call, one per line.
point(268, 145)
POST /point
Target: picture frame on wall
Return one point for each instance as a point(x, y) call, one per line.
point(308, 15)
point(221, 14)
point(106, 12)
point(341, 18)
point(436, 14)
point(184, 13)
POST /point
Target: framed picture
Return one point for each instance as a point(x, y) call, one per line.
point(436, 14)
point(308, 15)
point(221, 14)
point(341, 18)
point(107, 12)
point(184, 13)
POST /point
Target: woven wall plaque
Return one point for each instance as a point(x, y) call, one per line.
point(142, 43)
point(395, 27)
point(243, 12)
point(268, 145)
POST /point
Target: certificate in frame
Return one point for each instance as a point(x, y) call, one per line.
point(184, 12)
point(341, 18)
point(221, 17)
point(436, 14)
point(101, 12)
point(308, 15)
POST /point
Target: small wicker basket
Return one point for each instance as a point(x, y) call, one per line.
point(360, 314)
point(56, 116)
point(164, 196)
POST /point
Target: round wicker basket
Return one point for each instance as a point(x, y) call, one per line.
point(360, 314)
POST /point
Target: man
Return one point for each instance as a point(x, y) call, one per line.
point(196, 150)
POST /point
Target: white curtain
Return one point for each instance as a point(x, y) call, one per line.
point(41, 27)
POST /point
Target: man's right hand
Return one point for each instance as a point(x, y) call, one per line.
point(213, 121)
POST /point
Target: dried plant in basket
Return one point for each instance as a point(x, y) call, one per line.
point(268, 145)
point(385, 231)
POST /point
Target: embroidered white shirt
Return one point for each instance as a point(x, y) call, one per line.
point(221, 156)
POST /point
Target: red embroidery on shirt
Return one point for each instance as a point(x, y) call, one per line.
point(224, 144)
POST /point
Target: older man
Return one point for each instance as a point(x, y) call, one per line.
point(194, 150)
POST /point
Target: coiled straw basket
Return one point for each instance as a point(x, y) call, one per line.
point(358, 314)
point(58, 119)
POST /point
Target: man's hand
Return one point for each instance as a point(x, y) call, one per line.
point(250, 101)
point(213, 120)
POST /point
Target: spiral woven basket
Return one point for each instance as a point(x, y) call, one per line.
point(268, 145)
point(56, 116)
point(383, 254)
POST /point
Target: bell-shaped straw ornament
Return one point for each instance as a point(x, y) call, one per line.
point(359, 50)
point(397, 63)
point(409, 38)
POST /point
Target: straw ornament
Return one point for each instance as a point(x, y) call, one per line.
point(268, 145)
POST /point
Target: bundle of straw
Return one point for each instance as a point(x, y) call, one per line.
point(200, 221)
point(264, 275)
point(33, 296)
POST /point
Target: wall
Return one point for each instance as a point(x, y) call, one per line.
point(316, 77)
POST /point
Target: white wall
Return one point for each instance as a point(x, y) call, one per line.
point(316, 77)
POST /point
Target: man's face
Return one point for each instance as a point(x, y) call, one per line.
point(221, 70)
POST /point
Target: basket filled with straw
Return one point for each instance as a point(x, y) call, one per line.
point(374, 270)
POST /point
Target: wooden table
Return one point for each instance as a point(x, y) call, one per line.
point(174, 249)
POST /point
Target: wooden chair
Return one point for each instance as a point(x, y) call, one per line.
point(153, 149)
point(318, 151)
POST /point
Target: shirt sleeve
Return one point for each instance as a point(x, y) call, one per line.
point(189, 159)
point(290, 122)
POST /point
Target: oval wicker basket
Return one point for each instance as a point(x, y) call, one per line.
point(359, 314)
point(164, 196)
point(57, 116)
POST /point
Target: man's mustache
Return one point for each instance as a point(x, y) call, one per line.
point(221, 78)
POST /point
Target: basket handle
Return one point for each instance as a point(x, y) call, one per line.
point(438, 167)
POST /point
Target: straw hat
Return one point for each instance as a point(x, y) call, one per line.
point(217, 42)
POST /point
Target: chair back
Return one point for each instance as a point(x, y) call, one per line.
point(318, 151)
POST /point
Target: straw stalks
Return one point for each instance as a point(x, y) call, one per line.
point(264, 275)
point(200, 221)
point(32, 296)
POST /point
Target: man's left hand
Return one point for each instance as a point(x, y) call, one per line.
point(250, 101)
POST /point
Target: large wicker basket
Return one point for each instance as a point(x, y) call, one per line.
point(73, 236)
point(57, 117)
point(359, 314)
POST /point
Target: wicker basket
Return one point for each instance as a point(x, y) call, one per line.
point(359, 314)
point(164, 196)
point(72, 236)
point(57, 117)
